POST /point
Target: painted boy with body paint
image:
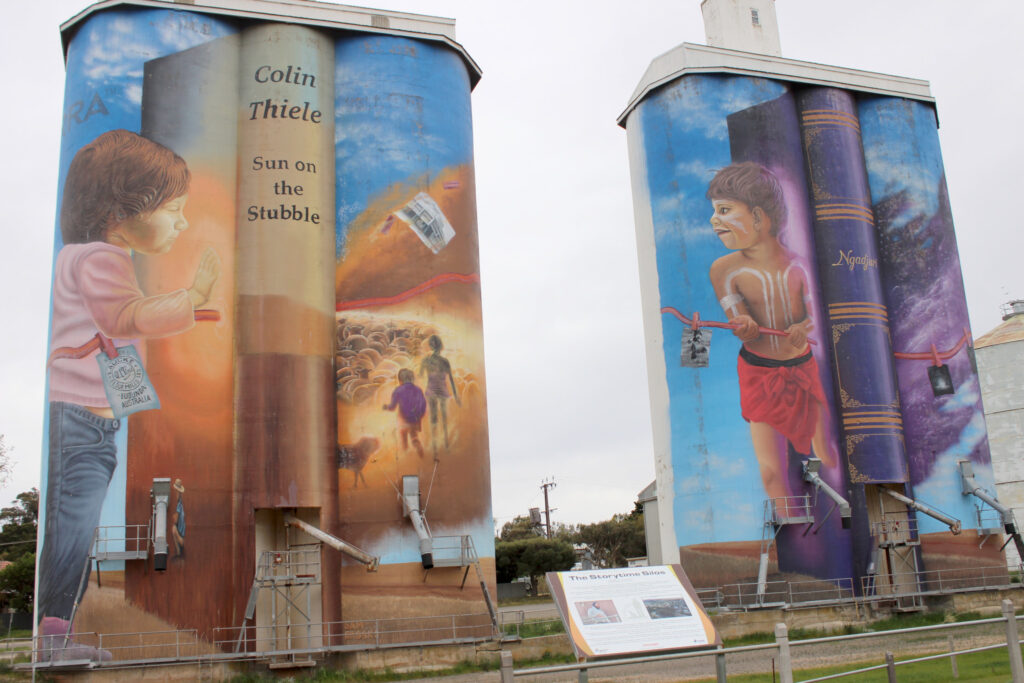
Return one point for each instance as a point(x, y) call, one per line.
point(761, 284)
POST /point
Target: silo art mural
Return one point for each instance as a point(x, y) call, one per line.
point(265, 320)
point(806, 295)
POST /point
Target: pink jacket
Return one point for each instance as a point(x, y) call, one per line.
point(94, 289)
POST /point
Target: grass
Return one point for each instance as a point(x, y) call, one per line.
point(892, 623)
point(9, 675)
point(984, 667)
point(533, 629)
point(528, 600)
point(367, 676)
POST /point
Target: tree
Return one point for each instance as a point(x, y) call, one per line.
point(5, 461)
point(19, 525)
point(615, 539)
point(17, 583)
point(519, 528)
point(532, 557)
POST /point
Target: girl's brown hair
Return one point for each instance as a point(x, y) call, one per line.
point(117, 176)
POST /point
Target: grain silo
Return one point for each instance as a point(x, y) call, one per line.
point(266, 366)
point(999, 353)
point(817, 415)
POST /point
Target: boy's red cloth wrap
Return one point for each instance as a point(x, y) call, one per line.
point(784, 394)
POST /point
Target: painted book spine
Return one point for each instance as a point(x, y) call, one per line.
point(924, 289)
point(188, 100)
point(285, 238)
point(285, 425)
point(857, 318)
point(769, 134)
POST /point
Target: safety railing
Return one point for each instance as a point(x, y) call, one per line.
point(989, 518)
point(811, 592)
point(90, 649)
point(61, 649)
point(746, 595)
point(361, 634)
point(789, 510)
point(937, 581)
point(15, 649)
point(514, 624)
point(282, 566)
point(895, 530)
point(454, 551)
point(127, 542)
point(873, 587)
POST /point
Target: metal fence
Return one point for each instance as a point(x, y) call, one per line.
point(360, 634)
point(776, 593)
point(514, 625)
point(744, 596)
point(156, 646)
point(782, 653)
point(941, 581)
point(113, 650)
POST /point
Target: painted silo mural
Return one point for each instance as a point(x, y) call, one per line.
point(410, 367)
point(265, 327)
point(813, 333)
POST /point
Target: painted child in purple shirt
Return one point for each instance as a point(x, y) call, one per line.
point(412, 405)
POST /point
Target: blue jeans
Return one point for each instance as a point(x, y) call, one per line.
point(82, 459)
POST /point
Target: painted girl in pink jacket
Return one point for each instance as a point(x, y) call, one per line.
point(123, 194)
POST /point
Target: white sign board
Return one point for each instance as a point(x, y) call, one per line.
point(634, 610)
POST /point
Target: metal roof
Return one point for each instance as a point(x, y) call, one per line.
point(690, 58)
point(305, 12)
point(1010, 330)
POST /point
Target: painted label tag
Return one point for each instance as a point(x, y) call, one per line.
point(125, 381)
point(427, 220)
point(695, 347)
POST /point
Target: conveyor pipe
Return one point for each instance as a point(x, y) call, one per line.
point(355, 553)
point(411, 507)
point(953, 523)
point(811, 468)
point(972, 488)
point(161, 494)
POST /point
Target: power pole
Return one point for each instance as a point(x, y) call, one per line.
point(547, 508)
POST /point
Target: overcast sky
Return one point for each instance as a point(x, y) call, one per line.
point(566, 374)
